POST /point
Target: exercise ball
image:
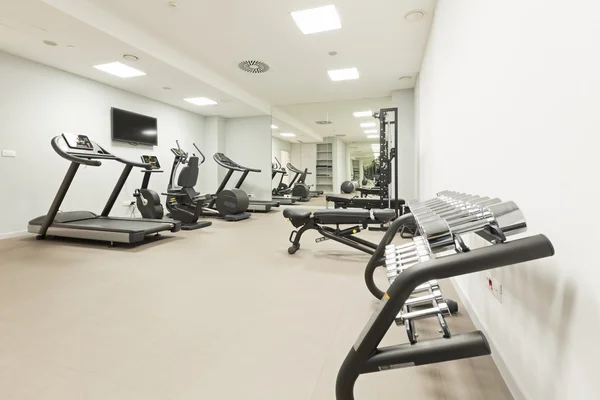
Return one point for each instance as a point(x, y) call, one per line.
point(347, 187)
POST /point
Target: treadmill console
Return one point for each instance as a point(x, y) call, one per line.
point(178, 152)
point(79, 142)
point(153, 160)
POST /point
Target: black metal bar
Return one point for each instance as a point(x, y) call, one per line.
point(117, 190)
point(377, 258)
point(348, 241)
point(365, 242)
point(146, 180)
point(466, 345)
point(499, 255)
point(242, 179)
point(224, 182)
point(58, 199)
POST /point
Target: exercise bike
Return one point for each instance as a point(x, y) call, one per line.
point(187, 205)
point(147, 200)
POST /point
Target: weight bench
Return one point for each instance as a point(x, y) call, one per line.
point(360, 219)
point(367, 203)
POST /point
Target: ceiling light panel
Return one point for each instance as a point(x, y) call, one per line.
point(368, 125)
point(274, 127)
point(201, 101)
point(316, 20)
point(120, 70)
point(361, 114)
point(287, 134)
point(345, 74)
point(371, 131)
point(372, 136)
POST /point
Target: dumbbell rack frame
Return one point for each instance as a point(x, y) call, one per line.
point(366, 357)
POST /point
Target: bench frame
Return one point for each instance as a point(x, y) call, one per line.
point(343, 236)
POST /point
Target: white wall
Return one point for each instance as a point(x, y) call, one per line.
point(277, 146)
point(214, 139)
point(38, 103)
point(248, 142)
point(509, 96)
point(340, 164)
point(407, 155)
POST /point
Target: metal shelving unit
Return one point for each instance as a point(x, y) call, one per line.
point(324, 167)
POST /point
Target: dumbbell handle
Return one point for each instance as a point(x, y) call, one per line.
point(442, 308)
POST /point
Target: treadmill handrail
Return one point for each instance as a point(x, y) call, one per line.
point(72, 157)
point(233, 165)
point(296, 170)
point(91, 158)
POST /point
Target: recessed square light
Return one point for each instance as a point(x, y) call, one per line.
point(372, 136)
point(274, 127)
point(368, 125)
point(201, 101)
point(371, 131)
point(360, 114)
point(120, 70)
point(345, 74)
point(317, 19)
point(287, 134)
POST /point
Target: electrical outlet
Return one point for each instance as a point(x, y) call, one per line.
point(494, 286)
point(9, 153)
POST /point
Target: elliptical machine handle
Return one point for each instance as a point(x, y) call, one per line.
point(203, 158)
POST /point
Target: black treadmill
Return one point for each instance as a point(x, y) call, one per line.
point(300, 176)
point(80, 150)
point(226, 162)
point(282, 195)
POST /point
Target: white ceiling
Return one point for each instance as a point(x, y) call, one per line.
point(374, 37)
point(195, 49)
point(340, 114)
point(22, 32)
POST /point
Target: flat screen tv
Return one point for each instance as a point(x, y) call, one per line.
point(131, 127)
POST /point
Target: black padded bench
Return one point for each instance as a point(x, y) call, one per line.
point(367, 203)
point(306, 220)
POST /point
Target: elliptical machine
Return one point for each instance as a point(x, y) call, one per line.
point(299, 187)
point(187, 205)
point(148, 201)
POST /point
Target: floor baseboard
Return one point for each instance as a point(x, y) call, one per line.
point(10, 235)
point(509, 378)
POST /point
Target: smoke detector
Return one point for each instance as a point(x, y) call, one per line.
point(324, 122)
point(253, 66)
point(50, 43)
point(414, 15)
point(130, 57)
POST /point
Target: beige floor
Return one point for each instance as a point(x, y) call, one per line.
point(219, 313)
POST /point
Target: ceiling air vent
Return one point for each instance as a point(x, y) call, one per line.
point(340, 135)
point(324, 122)
point(253, 66)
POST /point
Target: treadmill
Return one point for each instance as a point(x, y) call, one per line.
point(283, 199)
point(80, 150)
point(301, 177)
point(226, 162)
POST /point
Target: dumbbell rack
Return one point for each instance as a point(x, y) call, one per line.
point(413, 271)
point(441, 222)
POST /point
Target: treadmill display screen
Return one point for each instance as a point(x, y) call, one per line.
point(81, 142)
point(151, 160)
